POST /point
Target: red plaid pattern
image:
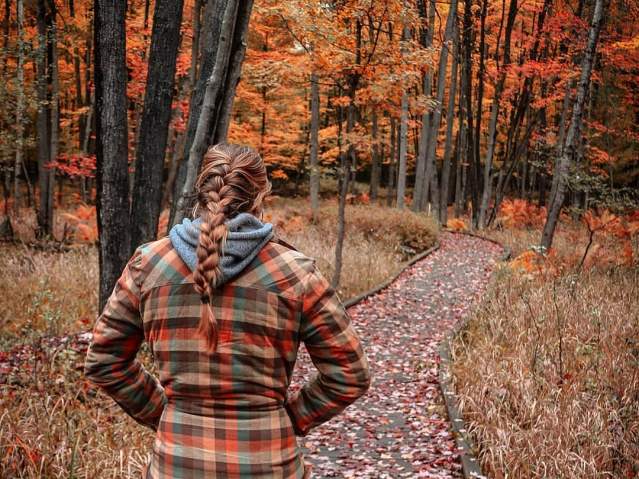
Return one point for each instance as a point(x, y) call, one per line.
point(226, 414)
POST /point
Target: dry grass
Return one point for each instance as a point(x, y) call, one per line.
point(548, 369)
point(52, 423)
point(377, 239)
point(46, 292)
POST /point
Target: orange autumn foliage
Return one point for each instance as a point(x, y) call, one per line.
point(457, 224)
point(83, 223)
point(518, 213)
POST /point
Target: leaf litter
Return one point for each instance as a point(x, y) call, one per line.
point(400, 428)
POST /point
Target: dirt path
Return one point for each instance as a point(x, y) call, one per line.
point(400, 429)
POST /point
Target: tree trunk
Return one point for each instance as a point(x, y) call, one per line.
point(55, 109)
point(154, 125)
point(426, 40)
point(390, 186)
point(77, 72)
point(559, 147)
point(573, 137)
point(403, 143)
point(238, 50)
point(20, 105)
point(450, 119)
point(111, 141)
point(403, 135)
point(343, 191)
point(195, 43)
point(475, 163)
point(459, 171)
point(431, 167)
point(347, 159)
point(210, 36)
point(207, 114)
point(494, 115)
point(375, 159)
point(314, 139)
point(467, 93)
point(43, 134)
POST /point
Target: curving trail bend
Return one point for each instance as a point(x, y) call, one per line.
point(400, 428)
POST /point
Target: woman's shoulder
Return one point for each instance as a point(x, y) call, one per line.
point(278, 267)
point(160, 263)
point(285, 253)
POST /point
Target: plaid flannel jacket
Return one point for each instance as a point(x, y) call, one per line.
point(226, 414)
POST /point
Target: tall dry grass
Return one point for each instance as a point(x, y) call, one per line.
point(547, 370)
point(52, 423)
point(46, 293)
point(377, 239)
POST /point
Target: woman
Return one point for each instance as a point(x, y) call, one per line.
point(224, 307)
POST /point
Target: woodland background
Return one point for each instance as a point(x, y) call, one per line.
point(380, 122)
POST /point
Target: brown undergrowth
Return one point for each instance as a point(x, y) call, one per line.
point(547, 370)
point(52, 423)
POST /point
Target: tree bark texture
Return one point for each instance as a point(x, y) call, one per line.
point(210, 36)
point(494, 115)
point(431, 166)
point(376, 166)
point(154, 125)
point(426, 40)
point(238, 51)
point(573, 136)
point(450, 119)
point(20, 106)
point(111, 142)
point(45, 204)
point(314, 140)
point(403, 144)
point(207, 116)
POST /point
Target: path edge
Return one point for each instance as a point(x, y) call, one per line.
point(384, 284)
point(470, 464)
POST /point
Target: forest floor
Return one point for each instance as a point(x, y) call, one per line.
point(400, 428)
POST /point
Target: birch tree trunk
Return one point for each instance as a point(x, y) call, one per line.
point(111, 141)
point(314, 153)
point(154, 125)
point(573, 137)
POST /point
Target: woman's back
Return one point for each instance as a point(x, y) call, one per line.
point(226, 411)
point(224, 308)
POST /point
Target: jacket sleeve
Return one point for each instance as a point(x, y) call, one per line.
point(111, 362)
point(336, 351)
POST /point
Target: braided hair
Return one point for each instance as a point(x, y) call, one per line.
point(232, 180)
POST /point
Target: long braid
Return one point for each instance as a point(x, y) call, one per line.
point(233, 179)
